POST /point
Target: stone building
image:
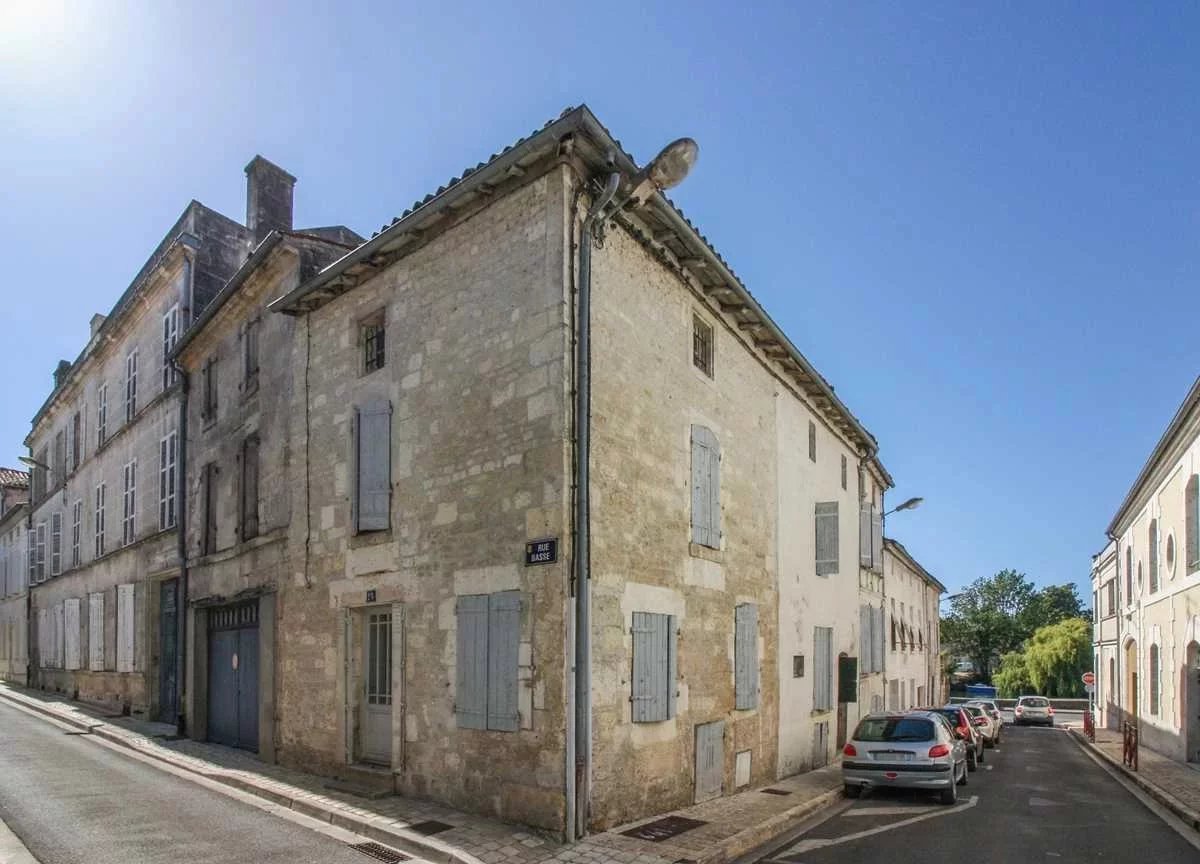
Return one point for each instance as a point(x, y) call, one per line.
point(913, 595)
point(236, 360)
point(1106, 635)
point(873, 482)
point(426, 635)
point(108, 445)
point(14, 574)
point(1151, 589)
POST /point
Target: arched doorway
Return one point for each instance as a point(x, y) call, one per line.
point(1191, 702)
point(1131, 679)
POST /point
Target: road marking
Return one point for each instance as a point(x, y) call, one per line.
point(988, 767)
point(887, 811)
point(821, 843)
point(1043, 802)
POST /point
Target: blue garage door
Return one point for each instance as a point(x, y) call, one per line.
point(233, 675)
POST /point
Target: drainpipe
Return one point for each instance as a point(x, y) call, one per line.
point(581, 539)
point(181, 539)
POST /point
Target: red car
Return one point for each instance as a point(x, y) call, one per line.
point(960, 723)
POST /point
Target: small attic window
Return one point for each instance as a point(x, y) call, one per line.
point(702, 345)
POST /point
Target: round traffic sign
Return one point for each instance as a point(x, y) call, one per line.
point(1089, 678)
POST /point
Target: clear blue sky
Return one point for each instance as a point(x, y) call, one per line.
point(983, 226)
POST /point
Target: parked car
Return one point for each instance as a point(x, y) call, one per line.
point(915, 750)
point(960, 725)
point(1033, 710)
point(984, 724)
point(993, 709)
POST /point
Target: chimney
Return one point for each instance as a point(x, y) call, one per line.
point(60, 372)
point(96, 323)
point(268, 198)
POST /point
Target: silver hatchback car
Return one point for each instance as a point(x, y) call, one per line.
point(915, 750)
point(1033, 710)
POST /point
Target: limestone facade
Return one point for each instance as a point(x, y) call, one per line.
point(14, 575)
point(913, 672)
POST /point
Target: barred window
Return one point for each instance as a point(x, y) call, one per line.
point(372, 337)
point(702, 345)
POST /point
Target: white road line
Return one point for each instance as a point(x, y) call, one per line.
point(888, 811)
point(821, 843)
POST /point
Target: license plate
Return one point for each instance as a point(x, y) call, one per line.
point(893, 755)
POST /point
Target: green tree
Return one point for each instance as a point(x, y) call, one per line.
point(1012, 679)
point(985, 619)
point(1058, 655)
point(1050, 605)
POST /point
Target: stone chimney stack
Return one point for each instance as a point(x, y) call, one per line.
point(60, 372)
point(268, 198)
point(96, 323)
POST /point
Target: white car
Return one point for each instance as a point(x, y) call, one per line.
point(982, 720)
point(993, 711)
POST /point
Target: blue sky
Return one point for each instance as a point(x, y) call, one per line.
point(981, 224)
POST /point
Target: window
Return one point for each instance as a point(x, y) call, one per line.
point(38, 572)
point(96, 632)
point(60, 458)
point(1153, 555)
point(208, 390)
point(1154, 680)
point(652, 684)
point(170, 335)
point(812, 441)
point(827, 538)
point(167, 469)
point(101, 414)
point(1112, 678)
point(129, 503)
point(1110, 597)
point(250, 355)
point(797, 665)
point(248, 509)
point(702, 345)
point(38, 478)
point(100, 494)
point(131, 366)
point(76, 448)
point(55, 543)
point(76, 531)
point(1170, 555)
point(822, 668)
point(843, 470)
point(125, 628)
point(208, 535)
point(1128, 575)
point(1191, 545)
point(706, 488)
point(371, 333)
point(71, 633)
point(488, 641)
point(745, 656)
point(372, 498)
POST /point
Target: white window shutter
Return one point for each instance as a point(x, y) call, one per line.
point(71, 622)
point(373, 457)
point(706, 488)
point(96, 632)
point(125, 628)
point(876, 540)
point(827, 538)
point(864, 534)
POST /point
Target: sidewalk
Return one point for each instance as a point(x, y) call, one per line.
point(730, 826)
point(1173, 784)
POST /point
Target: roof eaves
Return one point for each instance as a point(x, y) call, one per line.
point(899, 549)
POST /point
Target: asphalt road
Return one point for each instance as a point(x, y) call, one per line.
point(69, 799)
point(1036, 798)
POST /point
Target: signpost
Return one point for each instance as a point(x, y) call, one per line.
point(1089, 678)
point(1089, 716)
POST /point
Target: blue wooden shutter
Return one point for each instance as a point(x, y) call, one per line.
point(653, 687)
point(373, 487)
point(706, 487)
point(827, 538)
point(503, 639)
point(471, 662)
point(823, 668)
point(745, 656)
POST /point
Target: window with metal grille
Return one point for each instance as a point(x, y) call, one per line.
point(99, 518)
point(1154, 680)
point(129, 502)
point(702, 345)
point(250, 355)
point(812, 441)
point(131, 373)
point(101, 414)
point(76, 531)
point(170, 335)
point(372, 333)
point(167, 480)
point(379, 654)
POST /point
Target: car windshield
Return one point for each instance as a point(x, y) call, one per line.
point(950, 714)
point(894, 729)
point(990, 706)
point(1035, 702)
point(973, 710)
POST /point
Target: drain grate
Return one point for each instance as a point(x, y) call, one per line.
point(379, 852)
point(776, 791)
point(430, 827)
point(663, 829)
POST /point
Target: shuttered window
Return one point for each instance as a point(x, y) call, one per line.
point(131, 376)
point(39, 556)
point(55, 543)
point(125, 628)
point(96, 632)
point(745, 656)
point(812, 441)
point(1154, 680)
point(1192, 523)
point(101, 414)
point(99, 519)
point(864, 534)
point(827, 538)
point(822, 668)
point(876, 540)
point(877, 649)
point(76, 532)
point(1153, 555)
point(129, 503)
point(843, 470)
point(71, 628)
point(487, 649)
point(56, 649)
point(653, 682)
point(170, 335)
point(208, 530)
point(373, 467)
point(706, 488)
point(167, 470)
point(864, 637)
point(248, 509)
point(208, 390)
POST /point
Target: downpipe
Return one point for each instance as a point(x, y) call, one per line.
point(181, 593)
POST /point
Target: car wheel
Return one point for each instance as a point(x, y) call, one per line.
point(949, 796)
point(980, 757)
point(972, 760)
point(988, 742)
point(852, 790)
point(962, 780)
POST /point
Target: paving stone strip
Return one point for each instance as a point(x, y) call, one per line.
point(733, 824)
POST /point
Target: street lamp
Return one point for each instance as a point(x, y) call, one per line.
point(910, 504)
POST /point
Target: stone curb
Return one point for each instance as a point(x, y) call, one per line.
point(768, 830)
point(376, 827)
point(1182, 811)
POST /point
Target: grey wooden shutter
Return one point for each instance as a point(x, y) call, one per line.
point(823, 668)
point(653, 686)
point(125, 628)
point(96, 632)
point(503, 640)
point(471, 662)
point(706, 488)
point(1192, 523)
point(864, 637)
point(827, 538)
point(877, 658)
point(745, 656)
point(864, 534)
point(373, 488)
point(250, 487)
point(876, 540)
point(71, 627)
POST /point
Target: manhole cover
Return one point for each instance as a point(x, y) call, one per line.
point(664, 829)
point(430, 827)
point(776, 791)
point(380, 852)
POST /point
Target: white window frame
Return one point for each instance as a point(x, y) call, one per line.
point(98, 513)
point(76, 532)
point(101, 414)
point(131, 376)
point(168, 479)
point(126, 629)
point(170, 335)
point(39, 548)
point(129, 502)
point(56, 523)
